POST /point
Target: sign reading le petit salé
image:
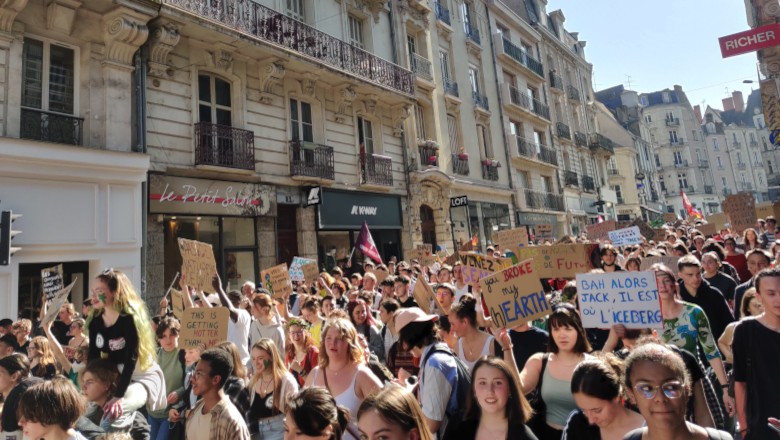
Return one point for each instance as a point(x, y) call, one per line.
point(182, 195)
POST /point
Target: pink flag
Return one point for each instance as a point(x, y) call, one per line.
point(366, 244)
point(600, 219)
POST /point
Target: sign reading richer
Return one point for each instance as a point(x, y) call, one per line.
point(750, 40)
point(514, 295)
point(627, 298)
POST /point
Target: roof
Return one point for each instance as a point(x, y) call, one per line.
point(656, 98)
point(745, 117)
point(611, 97)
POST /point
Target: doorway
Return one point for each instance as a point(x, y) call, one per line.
point(286, 234)
point(428, 226)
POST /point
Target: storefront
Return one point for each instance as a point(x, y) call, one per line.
point(235, 218)
point(591, 208)
point(480, 220)
point(531, 219)
point(80, 207)
point(340, 217)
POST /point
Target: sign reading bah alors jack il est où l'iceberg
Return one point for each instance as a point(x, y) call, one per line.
point(627, 298)
point(183, 195)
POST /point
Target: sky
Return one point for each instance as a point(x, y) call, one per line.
point(662, 43)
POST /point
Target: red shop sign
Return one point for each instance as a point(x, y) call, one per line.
point(750, 41)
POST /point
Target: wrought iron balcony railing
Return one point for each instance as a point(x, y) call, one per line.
point(580, 139)
point(519, 98)
point(489, 172)
point(555, 81)
point(563, 130)
point(570, 178)
point(543, 200)
point(429, 156)
point(753, 143)
point(460, 166)
point(708, 189)
point(268, 25)
point(523, 57)
point(758, 164)
point(39, 125)
point(598, 140)
point(376, 170)
point(588, 184)
point(224, 146)
point(472, 33)
point(540, 109)
point(673, 122)
point(613, 172)
point(526, 147)
point(480, 101)
point(573, 93)
point(450, 87)
point(442, 13)
point(548, 155)
point(681, 164)
point(421, 67)
point(308, 159)
point(704, 163)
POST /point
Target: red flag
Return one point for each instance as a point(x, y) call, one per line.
point(688, 207)
point(365, 243)
point(600, 220)
point(474, 240)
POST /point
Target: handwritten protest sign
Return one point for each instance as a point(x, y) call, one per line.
point(544, 231)
point(426, 254)
point(310, 272)
point(413, 254)
point(51, 282)
point(626, 237)
point(177, 303)
point(566, 239)
point(203, 325)
point(295, 271)
point(719, 220)
point(564, 261)
point(476, 266)
point(380, 275)
point(511, 238)
point(467, 246)
point(670, 217)
point(741, 209)
point(627, 298)
point(198, 265)
point(451, 259)
point(277, 280)
point(424, 296)
point(600, 231)
point(59, 300)
point(670, 262)
point(644, 229)
point(660, 234)
point(514, 295)
point(708, 230)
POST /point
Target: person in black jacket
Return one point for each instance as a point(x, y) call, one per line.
point(694, 289)
point(757, 260)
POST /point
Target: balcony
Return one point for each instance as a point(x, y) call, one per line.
point(704, 163)
point(480, 101)
point(526, 102)
point(460, 166)
point(526, 147)
point(519, 55)
point(543, 200)
point(532, 150)
point(429, 157)
point(727, 192)
point(489, 172)
point(721, 167)
point(673, 122)
point(376, 170)
point(736, 144)
point(709, 189)
point(621, 201)
point(563, 130)
point(746, 186)
point(580, 139)
point(442, 13)
point(676, 143)
point(311, 161)
point(612, 172)
point(654, 196)
point(556, 82)
point(599, 141)
point(758, 164)
point(269, 26)
point(681, 164)
point(38, 125)
point(421, 67)
point(573, 94)
point(450, 87)
point(741, 165)
point(570, 178)
point(588, 184)
point(754, 143)
point(548, 155)
point(472, 33)
point(224, 146)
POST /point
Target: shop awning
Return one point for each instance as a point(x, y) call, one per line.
point(578, 212)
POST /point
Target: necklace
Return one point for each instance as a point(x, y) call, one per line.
point(472, 346)
point(501, 436)
point(336, 373)
point(264, 384)
point(564, 365)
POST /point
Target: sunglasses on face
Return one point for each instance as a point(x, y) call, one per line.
point(672, 389)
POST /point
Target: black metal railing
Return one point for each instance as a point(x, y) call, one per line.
point(523, 57)
point(442, 13)
point(376, 170)
point(563, 130)
point(580, 139)
point(224, 146)
point(543, 200)
point(573, 93)
point(598, 140)
point(526, 147)
point(450, 87)
point(308, 159)
point(758, 164)
point(519, 98)
point(676, 143)
point(39, 125)
point(421, 66)
point(753, 143)
point(708, 189)
point(480, 101)
point(613, 172)
point(555, 81)
point(570, 178)
point(726, 192)
point(460, 165)
point(673, 122)
point(747, 186)
point(540, 109)
point(489, 172)
point(548, 155)
point(704, 163)
point(472, 33)
point(741, 165)
point(252, 18)
point(588, 184)
point(681, 164)
point(429, 156)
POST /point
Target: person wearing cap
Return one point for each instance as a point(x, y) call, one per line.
point(437, 392)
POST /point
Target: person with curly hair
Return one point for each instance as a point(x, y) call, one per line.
point(303, 354)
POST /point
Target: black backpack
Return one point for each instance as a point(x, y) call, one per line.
point(464, 379)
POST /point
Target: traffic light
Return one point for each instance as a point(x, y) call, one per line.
point(6, 235)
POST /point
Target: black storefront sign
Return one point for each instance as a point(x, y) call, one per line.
point(348, 210)
point(459, 201)
point(314, 196)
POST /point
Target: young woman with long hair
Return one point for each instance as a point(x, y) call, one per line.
point(41, 358)
point(341, 369)
point(496, 407)
point(13, 370)
point(360, 314)
point(392, 413)
point(736, 259)
point(269, 390)
point(313, 413)
point(77, 336)
point(472, 343)
point(172, 362)
point(71, 367)
point(303, 354)
point(751, 241)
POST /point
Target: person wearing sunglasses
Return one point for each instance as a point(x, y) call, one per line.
point(658, 384)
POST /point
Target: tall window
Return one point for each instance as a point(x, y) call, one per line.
point(752, 137)
point(678, 158)
point(755, 156)
point(538, 139)
point(532, 92)
point(510, 79)
point(618, 191)
point(522, 179)
point(760, 178)
point(715, 144)
point(474, 79)
point(666, 98)
point(214, 100)
point(454, 132)
point(694, 135)
point(366, 135)
point(670, 115)
point(739, 158)
point(649, 119)
point(444, 60)
point(356, 31)
point(682, 179)
point(735, 137)
point(467, 15)
point(769, 164)
point(503, 31)
point(644, 100)
point(661, 181)
point(744, 181)
point(484, 141)
point(657, 161)
point(612, 163)
point(48, 77)
point(295, 10)
point(411, 44)
point(673, 136)
point(547, 184)
point(419, 122)
point(515, 129)
point(301, 121)
point(720, 161)
point(723, 182)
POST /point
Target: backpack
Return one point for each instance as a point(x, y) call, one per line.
point(464, 379)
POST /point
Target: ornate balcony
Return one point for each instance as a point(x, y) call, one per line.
point(269, 26)
point(543, 200)
point(746, 186)
point(460, 166)
point(704, 163)
point(421, 67)
point(599, 141)
point(674, 122)
point(588, 184)
point(480, 101)
point(450, 87)
point(224, 146)
point(563, 130)
point(573, 94)
point(708, 189)
point(580, 139)
point(570, 178)
point(523, 57)
point(442, 13)
point(726, 192)
point(39, 125)
point(556, 82)
point(736, 144)
point(548, 155)
point(376, 170)
point(681, 164)
point(489, 172)
point(613, 172)
point(429, 156)
point(540, 109)
point(526, 148)
point(472, 33)
point(311, 161)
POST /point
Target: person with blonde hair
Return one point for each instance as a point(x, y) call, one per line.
point(341, 369)
point(41, 358)
point(267, 323)
point(21, 329)
point(392, 413)
point(269, 390)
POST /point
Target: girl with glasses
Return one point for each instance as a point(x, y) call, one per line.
point(302, 355)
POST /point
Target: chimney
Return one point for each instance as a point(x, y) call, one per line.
point(728, 104)
point(697, 112)
point(739, 103)
point(678, 88)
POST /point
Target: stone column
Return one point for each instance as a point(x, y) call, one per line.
point(155, 263)
point(307, 233)
point(266, 242)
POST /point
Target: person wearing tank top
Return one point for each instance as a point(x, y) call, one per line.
point(341, 370)
point(472, 343)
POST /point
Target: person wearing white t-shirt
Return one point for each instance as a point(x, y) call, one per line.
point(461, 288)
point(239, 322)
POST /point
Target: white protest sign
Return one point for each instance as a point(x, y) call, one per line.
point(625, 237)
point(296, 271)
point(59, 300)
point(627, 298)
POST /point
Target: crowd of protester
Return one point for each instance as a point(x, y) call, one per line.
point(352, 356)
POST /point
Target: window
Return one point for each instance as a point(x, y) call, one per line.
point(474, 80)
point(644, 101)
point(522, 179)
point(742, 177)
point(760, 179)
point(301, 121)
point(755, 156)
point(612, 163)
point(720, 162)
point(752, 137)
point(444, 60)
point(467, 15)
point(735, 137)
point(763, 139)
point(515, 128)
point(761, 123)
point(48, 77)
point(673, 136)
point(356, 31)
point(503, 31)
point(531, 92)
point(618, 191)
point(666, 97)
point(510, 79)
point(670, 115)
point(649, 119)
point(411, 44)
point(547, 184)
point(214, 100)
point(661, 181)
point(769, 164)
point(694, 135)
point(295, 10)
point(682, 179)
point(739, 158)
point(484, 142)
point(366, 136)
point(539, 139)
point(715, 144)
point(678, 158)
point(454, 132)
point(419, 122)
point(723, 182)
point(657, 161)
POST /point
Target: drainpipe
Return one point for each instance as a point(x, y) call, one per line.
point(140, 147)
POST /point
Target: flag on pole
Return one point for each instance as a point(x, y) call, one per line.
point(688, 207)
point(366, 244)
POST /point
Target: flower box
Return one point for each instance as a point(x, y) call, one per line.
point(487, 162)
point(463, 156)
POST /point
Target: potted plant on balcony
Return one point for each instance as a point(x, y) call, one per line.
point(420, 142)
point(432, 161)
point(494, 162)
point(497, 164)
point(430, 143)
point(488, 162)
point(463, 155)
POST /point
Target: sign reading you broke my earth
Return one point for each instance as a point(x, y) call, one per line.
point(514, 295)
point(627, 298)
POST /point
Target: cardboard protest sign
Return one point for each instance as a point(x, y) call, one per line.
point(424, 295)
point(600, 231)
point(566, 239)
point(670, 217)
point(380, 275)
point(708, 230)
point(544, 231)
point(413, 254)
point(626, 237)
point(660, 234)
point(277, 280)
point(764, 209)
point(310, 272)
point(341, 254)
point(719, 220)
point(514, 295)
point(511, 238)
point(427, 257)
point(198, 265)
point(451, 259)
point(203, 325)
point(51, 281)
point(670, 262)
point(627, 298)
point(741, 209)
point(177, 303)
point(644, 229)
point(564, 261)
point(467, 247)
point(476, 266)
point(59, 300)
point(295, 271)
